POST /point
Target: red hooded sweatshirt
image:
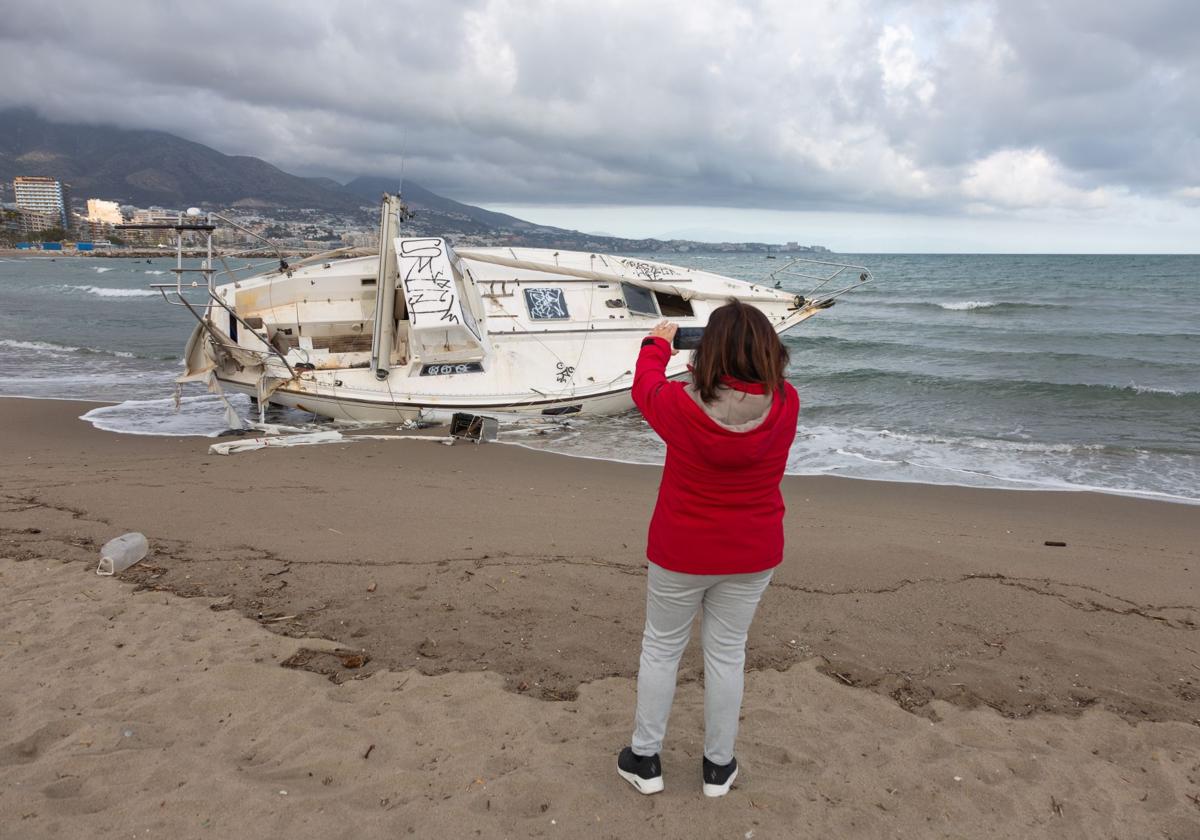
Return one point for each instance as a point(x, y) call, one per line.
point(719, 507)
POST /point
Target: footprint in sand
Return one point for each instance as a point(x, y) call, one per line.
point(67, 788)
point(68, 799)
point(30, 747)
point(773, 754)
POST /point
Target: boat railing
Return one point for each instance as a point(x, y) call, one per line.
point(191, 224)
point(202, 280)
point(823, 273)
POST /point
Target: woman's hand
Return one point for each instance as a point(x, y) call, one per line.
point(667, 330)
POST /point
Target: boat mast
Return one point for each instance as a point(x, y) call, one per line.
point(385, 287)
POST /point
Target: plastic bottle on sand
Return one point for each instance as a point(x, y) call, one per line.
point(119, 554)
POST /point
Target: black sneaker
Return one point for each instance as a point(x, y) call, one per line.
point(643, 772)
point(718, 778)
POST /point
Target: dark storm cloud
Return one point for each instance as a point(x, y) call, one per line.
point(867, 105)
point(1110, 89)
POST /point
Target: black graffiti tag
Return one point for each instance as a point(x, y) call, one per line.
point(429, 291)
point(649, 271)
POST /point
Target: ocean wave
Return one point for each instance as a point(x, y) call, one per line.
point(960, 305)
point(867, 458)
point(1009, 447)
point(928, 458)
point(977, 323)
point(150, 271)
point(997, 444)
point(44, 346)
point(886, 444)
point(196, 416)
point(912, 379)
point(947, 459)
point(984, 306)
point(1146, 389)
point(100, 269)
point(104, 291)
point(60, 349)
point(202, 415)
point(923, 348)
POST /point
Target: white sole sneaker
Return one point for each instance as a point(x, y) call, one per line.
point(720, 790)
point(645, 786)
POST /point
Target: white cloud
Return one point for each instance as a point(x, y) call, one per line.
point(494, 63)
point(1027, 178)
point(1188, 195)
point(905, 78)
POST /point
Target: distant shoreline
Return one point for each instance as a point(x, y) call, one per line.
point(145, 253)
point(138, 254)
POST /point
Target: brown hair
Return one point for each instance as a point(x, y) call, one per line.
point(740, 342)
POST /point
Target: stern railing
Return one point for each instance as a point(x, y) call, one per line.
point(823, 272)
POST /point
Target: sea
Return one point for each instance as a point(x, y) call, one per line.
point(1021, 372)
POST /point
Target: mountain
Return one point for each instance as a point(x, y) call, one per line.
point(422, 201)
point(147, 168)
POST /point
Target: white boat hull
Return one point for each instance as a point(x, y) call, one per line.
point(493, 331)
point(347, 407)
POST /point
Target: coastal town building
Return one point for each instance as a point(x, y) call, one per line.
point(101, 217)
point(104, 212)
point(22, 222)
point(366, 239)
point(796, 247)
point(43, 195)
point(148, 216)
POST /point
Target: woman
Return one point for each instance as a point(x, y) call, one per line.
point(717, 531)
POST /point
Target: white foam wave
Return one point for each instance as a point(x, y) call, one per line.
point(989, 444)
point(863, 457)
point(1147, 389)
point(881, 454)
point(199, 416)
point(924, 458)
point(100, 269)
point(59, 349)
point(961, 305)
point(858, 454)
point(103, 291)
point(42, 346)
point(874, 454)
point(149, 271)
point(984, 479)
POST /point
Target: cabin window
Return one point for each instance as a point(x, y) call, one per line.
point(674, 306)
point(639, 301)
point(546, 304)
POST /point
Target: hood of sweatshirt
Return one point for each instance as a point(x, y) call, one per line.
point(735, 409)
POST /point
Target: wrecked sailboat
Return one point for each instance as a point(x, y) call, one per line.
point(423, 330)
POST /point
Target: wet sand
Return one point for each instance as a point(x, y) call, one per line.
point(505, 586)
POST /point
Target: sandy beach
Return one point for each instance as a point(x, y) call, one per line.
point(461, 626)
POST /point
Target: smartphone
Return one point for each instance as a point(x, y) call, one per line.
point(687, 338)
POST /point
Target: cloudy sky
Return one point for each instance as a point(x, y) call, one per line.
point(866, 125)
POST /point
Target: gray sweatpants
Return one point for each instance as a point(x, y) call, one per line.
point(672, 601)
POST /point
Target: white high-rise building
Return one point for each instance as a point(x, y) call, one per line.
point(102, 216)
point(43, 195)
point(103, 212)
